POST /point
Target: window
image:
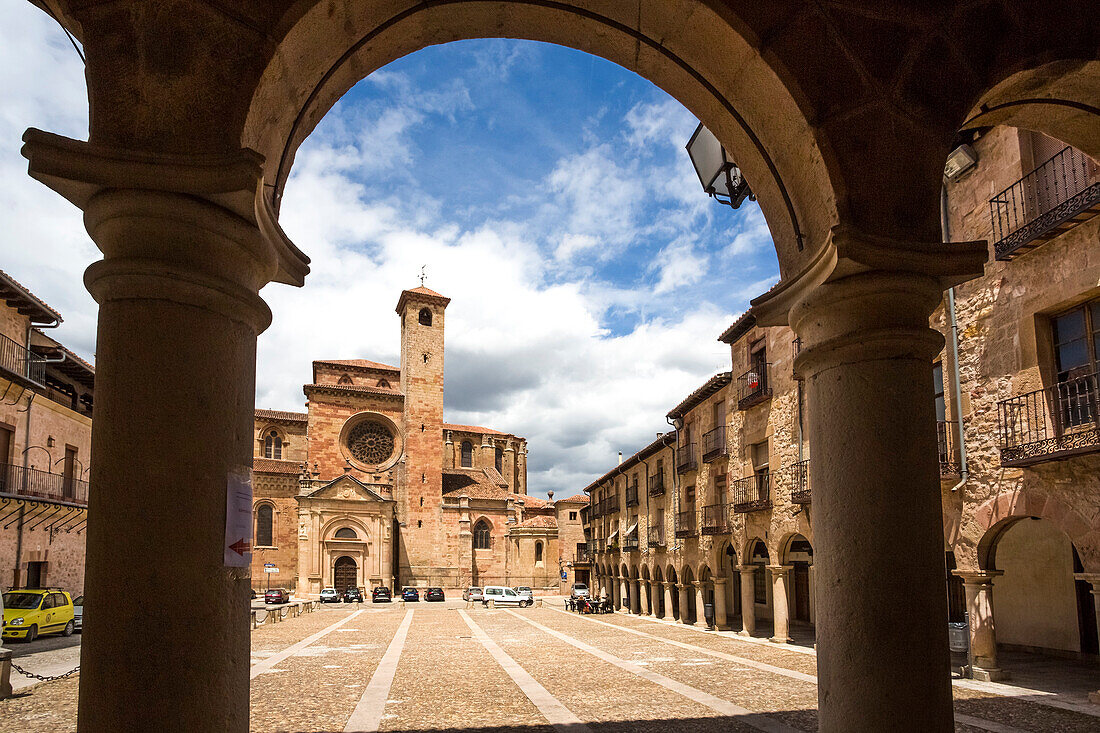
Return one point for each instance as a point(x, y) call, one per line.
point(425, 317)
point(383, 384)
point(538, 553)
point(689, 498)
point(719, 413)
point(467, 454)
point(572, 516)
point(273, 445)
point(264, 526)
point(937, 391)
point(346, 533)
point(720, 488)
point(1076, 350)
point(344, 379)
point(759, 578)
point(68, 471)
point(499, 460)
point(482, 535)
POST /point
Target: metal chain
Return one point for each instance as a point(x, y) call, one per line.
point(44, 678)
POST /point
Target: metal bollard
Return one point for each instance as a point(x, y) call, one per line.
point(5, 673)
point(492, 603)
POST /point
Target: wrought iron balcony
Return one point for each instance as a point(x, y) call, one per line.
point(630, 544)
point(1051, 423)
point(714, 444)
point(1058, 195)
point(611, 504)
point(752, 494)
point(753, 387)
point(657, 484)
point(716, 519)
point(656, 536)
point(795, 478)
point(686, 525)
point(35, 483)
point(632, 496)
point(685, 458)
point(16, 359)
point(946, 434)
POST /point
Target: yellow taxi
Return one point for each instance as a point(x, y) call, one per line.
point(30, 612)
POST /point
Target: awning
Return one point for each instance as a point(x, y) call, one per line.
point(632, 531)
point(611, 537)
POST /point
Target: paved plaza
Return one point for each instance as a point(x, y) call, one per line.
point(449, 667)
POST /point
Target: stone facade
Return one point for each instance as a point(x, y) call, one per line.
point(1019, 462)
point(372, 479)
point(45, 447)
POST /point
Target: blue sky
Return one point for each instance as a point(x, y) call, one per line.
point(547, 191)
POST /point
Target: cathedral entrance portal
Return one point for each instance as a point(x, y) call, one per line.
point(343, 574)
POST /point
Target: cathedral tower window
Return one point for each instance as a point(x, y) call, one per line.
point(500, 460)
point(273, 445)
point(482, 535)
point(538, 553)
point(264, 526)
point(467, 454)
point(344, 379)
point(425, 317)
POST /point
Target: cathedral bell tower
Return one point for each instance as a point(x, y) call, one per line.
point(419, 495)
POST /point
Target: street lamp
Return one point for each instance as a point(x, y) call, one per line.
point(720, 176)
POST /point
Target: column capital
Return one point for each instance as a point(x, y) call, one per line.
point(747, 569)
point(780, 569)
point(719, 581)
point(699, 584)
point(1091, 578)
point(978, 577)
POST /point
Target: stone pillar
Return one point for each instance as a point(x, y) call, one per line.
point(684, 588)
point(978, 586)
point(748, 599)
point(624, 598)
point(720, 619)
point(1094, 580)
point(187, 244)
point(636, 597)
point(700, 602)
point(647, 598)
point(866, 360)
point(666, 589)
point(780, 613)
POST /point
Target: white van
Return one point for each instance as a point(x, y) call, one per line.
point(502, 595)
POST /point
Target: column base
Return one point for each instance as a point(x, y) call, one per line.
point(1095, 697)
point(780, 640)
point(749, 634)
point(989, 675)
point(698, 624)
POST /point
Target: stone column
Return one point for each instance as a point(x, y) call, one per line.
point(1094, 580)
point(647, 597)
point(636, 597)
point(748, 600)
point(187, 244)
point(866, 360)
point(666, 589)
point(720, 619)
point(780, 614)
point(700, 602)
point(978, 586)
point(684, 589)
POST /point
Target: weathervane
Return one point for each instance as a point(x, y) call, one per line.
point(423, 274)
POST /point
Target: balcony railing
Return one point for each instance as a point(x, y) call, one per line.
point(657, 484)
point(18, 360)
point(752, 494)
point(795, 478)
point(630, 544)
point(686, 524)
point(685, 458)
point(716, 519)
point(632, 496)
point(1058, 195)
point(753, 387)
point(714, 444)
point(946, 434)
point(656, 536)
point(40, 484)
point(586, 512)
point(1051, 423)
point(611, 504)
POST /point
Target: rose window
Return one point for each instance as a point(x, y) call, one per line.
point(370, 443)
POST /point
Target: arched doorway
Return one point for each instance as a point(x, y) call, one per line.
point(800, 556)
point(759, 559)
point(344, 572)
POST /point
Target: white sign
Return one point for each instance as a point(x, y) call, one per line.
point(270, 569)
point(238, 518)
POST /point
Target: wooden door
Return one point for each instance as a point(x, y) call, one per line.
point(343, 574)
point(802, 592)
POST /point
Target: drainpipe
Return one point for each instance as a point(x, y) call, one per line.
point(953, 342)
point(675, 483)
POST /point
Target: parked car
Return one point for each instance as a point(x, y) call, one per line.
point(473, 594)
point(28, 613)
point(277, 595)
point(434, 594)
point(525, 593)
point(410, 595)
point(580, 590)
point(353, 595)
point(501, 595)
point(78, 614)
point(329, 595)
point(381, 594)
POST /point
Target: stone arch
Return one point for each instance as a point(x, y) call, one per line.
point(671, 575)
point(750, 545)
point(783, 549)
point(687, 576)
point(645, 572)
point(998, 513)
point(482, 524)
point(704, 574)
point(276, 435)
point(261, 508)
point(657, 574)
point(327, 47)
point(328, 529)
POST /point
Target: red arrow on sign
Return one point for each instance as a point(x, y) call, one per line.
point(241, 546)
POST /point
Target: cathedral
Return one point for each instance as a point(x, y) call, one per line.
point(371, 487)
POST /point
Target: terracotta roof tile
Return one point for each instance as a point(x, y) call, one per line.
point(359, 364)
point(471, 429)
point(352, 389)
point(739, 327)
point(270, 465)
point(712, 385)
point(534, 502)
point(473, 483)
point(578, 499)
point(421, 294)
point(26, 302)
point(542, 521)
point(262, 414)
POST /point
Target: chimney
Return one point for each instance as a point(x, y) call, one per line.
point(620, 458)
point(550, 495)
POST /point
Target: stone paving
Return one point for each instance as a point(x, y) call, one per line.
point(528, 670)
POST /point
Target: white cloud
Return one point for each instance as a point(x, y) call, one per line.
point(680, 264)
